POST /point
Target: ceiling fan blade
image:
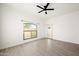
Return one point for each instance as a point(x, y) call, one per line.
point(46, 5)
point(50, 9)
point(40, 11)
point(40, 7)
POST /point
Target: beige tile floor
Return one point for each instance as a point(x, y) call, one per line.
point(43, 47)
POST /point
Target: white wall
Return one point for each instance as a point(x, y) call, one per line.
point(12, 27)
point(66, 27)
point(0, 26)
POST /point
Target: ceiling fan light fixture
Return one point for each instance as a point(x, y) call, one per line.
point(45, 12)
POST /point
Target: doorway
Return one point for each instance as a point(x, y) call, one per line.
point(49, 30)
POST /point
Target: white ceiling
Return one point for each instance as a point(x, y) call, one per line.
point(30, 9)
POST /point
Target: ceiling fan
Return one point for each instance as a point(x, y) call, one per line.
point(45, 8)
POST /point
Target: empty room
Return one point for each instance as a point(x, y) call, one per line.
point(39, 29)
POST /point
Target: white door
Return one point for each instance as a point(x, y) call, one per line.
point(50, 31)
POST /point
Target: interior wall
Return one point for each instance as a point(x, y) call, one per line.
point(0, 26)
point(66, 27)
point(12, 27)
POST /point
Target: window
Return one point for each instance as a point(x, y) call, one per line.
point(30, 31)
